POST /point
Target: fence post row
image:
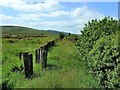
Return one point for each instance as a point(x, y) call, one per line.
point(41, 56)
point(28, 64)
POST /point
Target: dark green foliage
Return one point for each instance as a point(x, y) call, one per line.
point(73, 38)
point(98, 46)
point(5, 86)
point(62, 35)
point(69, 34)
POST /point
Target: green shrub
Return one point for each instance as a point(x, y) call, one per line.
point(98, 46)
point(62, 35)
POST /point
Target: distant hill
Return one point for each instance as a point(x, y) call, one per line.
point(24, 31)
point(57, 32)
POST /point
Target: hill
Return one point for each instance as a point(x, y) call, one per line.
point(57, 32)
point(24, 31)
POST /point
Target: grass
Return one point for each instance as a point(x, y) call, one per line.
point(0, 61)
point(10, 53)
point(65, 69)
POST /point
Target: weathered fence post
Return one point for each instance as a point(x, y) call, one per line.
point(41, 54)
point(44, 59)
point(21, 58)
point(20, 55)
point(25, 58)
point(53, 43)
point(28, 64)
point(37, 55)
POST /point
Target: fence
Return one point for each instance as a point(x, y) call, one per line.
point(40, 56)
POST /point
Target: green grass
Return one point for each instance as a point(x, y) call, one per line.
point(65, 69)
point(0, 60)
point(10, 53)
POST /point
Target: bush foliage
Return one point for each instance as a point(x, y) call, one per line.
point(98, 45)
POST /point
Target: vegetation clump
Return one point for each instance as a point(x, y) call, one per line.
point(62, 35)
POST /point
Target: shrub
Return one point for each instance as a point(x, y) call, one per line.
point(98, 46)
point(62, 35)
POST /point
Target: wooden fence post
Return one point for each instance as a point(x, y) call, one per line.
point(53, 43)
point(20, 55)
point(41, 54)
point(25, 58)
point(36, 54)
point(21, 58)
point(44, 61)
point(28, 64)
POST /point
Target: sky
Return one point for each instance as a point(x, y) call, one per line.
point(53, 14)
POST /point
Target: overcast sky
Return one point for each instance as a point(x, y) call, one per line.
point(54, 15)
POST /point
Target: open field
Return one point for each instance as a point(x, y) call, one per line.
point(63, 69)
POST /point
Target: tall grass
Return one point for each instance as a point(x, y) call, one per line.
point(64, 70)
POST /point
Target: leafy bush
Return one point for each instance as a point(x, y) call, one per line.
point(98, 46)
